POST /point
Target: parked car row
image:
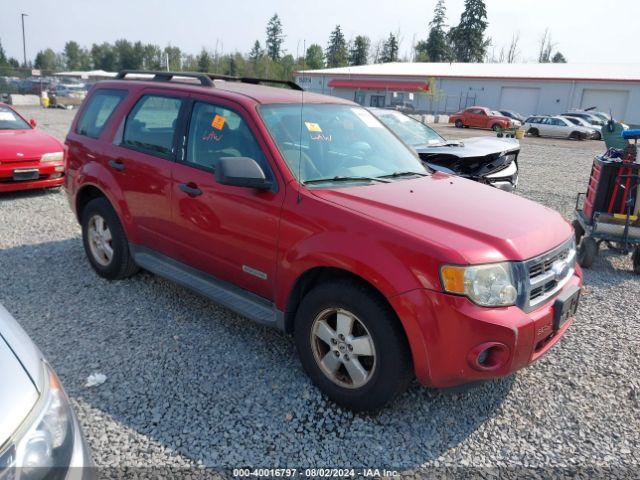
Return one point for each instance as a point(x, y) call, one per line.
point(578, 124)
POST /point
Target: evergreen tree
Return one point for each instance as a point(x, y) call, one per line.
point(275, 38)
point(337, 52)
point(559, 58)
point(390, 50)
point(256, 53)
point(468, 41)
point(152, 57)
point(436, 47)
point(205, 62)
point(359, 53)
point(314, 58)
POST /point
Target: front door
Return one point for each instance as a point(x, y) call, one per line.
point(141, 158)
point(228, 232)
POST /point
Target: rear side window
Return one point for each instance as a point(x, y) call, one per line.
point(98, 111)
point(151, 125)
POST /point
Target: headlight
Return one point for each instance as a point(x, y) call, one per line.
point(52, 157)
point(487, 285)
point(44, 444)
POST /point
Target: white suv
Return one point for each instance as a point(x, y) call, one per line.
point(557, 127)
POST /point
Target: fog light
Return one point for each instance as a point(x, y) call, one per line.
point(488, 356)
point(59, 168)
point(56, 175)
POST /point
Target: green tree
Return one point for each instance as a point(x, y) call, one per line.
point(337, 53)
point(73, 52)
point(314, 58)
point(3, 56)
point(421, 51)
point(104, 57)
point(174, 55)
point(436, 47)
point(256, 53)
point(128, 56)
point(468, 41)
point(559, 58)
point(151, 57)
point(359, 52)
point(205, 62)
point(390, 50)
point(275, 38)
point(46, 59)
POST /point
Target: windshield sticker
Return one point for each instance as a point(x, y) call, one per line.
point(368, 119)
point(320, 137)
point(212, 137)
point(313, 127)
point(7, 116)
point(218, 122)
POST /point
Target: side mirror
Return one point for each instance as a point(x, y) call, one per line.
point(242, 172)
point(33, 122)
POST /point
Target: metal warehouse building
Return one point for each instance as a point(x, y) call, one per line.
point(529, 88)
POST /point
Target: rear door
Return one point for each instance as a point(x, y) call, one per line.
point(228, 232)
point(141, 156)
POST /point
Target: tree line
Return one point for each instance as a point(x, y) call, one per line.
point(465, 42)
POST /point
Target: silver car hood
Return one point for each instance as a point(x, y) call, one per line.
point(20, 373)
point(471, 147)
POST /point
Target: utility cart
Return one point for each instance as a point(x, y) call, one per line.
point(610, 209)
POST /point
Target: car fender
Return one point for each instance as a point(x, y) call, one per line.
point(388, 274)
point(97, 175)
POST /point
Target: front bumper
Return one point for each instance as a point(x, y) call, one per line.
point(506, 179)
point(49, 174)
point(452, 329)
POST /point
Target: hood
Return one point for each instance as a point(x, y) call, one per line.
point(18, 394)
point(31, 144)
point(471, 222)
point(471, 147)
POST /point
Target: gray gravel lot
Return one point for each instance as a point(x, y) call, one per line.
point(190, 383)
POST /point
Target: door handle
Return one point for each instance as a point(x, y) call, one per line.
point(190, 189)
point(116, 165)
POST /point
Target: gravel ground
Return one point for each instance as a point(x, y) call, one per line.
point(190, 383)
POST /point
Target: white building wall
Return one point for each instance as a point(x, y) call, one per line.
point(453, 94)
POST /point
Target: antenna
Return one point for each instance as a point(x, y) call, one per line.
point(304, 68)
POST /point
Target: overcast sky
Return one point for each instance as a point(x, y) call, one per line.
point(584, 30)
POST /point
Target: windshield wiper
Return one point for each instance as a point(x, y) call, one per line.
point(403, 174)
point(344, 179)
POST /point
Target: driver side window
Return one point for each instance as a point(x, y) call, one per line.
point(216, 132)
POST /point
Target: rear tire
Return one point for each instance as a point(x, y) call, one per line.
point(459, 124)
point(105, 242)
point(587, 252)
point(357, 381)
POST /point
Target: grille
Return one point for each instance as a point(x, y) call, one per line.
point(549, 272)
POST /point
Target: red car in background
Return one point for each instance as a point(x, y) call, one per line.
point(29, 158)
point(481, 117)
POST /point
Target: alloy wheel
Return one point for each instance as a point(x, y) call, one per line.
point(343, 348)
point(100, 240)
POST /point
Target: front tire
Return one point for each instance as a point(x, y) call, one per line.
point(534, 132)
point(495, 127)
point(352, 346)
point(459, 124)
point(636, 260)
point(105, 242)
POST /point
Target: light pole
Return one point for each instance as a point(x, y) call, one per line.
point(24, 43)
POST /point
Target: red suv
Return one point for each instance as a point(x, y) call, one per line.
point(303, 212)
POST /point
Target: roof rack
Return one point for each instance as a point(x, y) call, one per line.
point(206, 79)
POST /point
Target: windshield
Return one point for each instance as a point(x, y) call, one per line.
point(412, 132)
point(336, 142)
point(10, 120)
